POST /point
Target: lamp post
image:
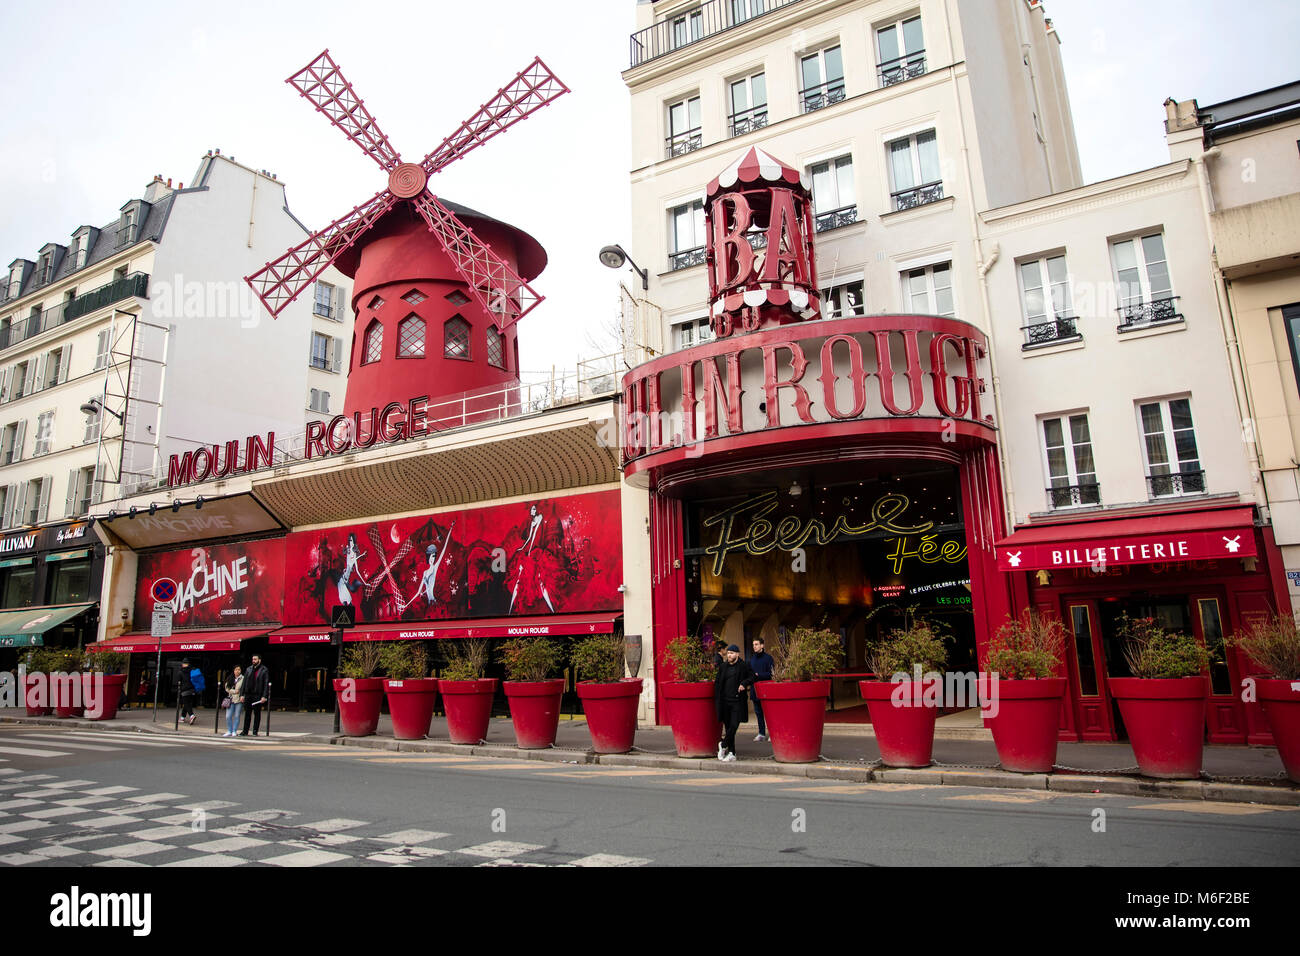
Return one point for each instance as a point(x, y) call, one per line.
point(615, 257)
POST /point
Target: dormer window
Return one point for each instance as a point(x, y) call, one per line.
point(15, 284)
point(45, 271)
point(126, 226)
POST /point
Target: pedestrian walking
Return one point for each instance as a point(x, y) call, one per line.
point(257, 693)
point(760, 662)
point(187, 692)
point(235, 698)
point(730, 688)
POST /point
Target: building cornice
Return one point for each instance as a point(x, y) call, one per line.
point(1108, 192)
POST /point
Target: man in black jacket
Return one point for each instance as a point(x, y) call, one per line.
point(257, 692)
point(760, 662)
point(186, 691)
point(729, 692)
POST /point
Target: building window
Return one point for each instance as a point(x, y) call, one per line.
point(688, 28)
point(1045, 295)
point(1142, 283)
point(914, 170)
point(36, 504)
point(496, 348)
point(15, 285)
point(320, 351)
point(822, 74)
point(843, 300)
point(748, 102)
point(11, 442)
point(694, 332)
point(410, 337)
point(69, 581)
point(455, 338)
point(1291, 318)
point(126, 228)
point(44, 433)
point(324, 305)
point(375, 304)
point(414, 297)
point(46, 268)
point(18, 381)
point(901, 51)
point(742, 10)
point(103, 345)
point(19, 586)
point(456, 298)
point(1169, 446)
point(834, 204)
point(93, 420)
point(1071, 472)
point(928, 291)
point(374, 343)
point(81, 490)
point(684, 129)
point(686, 226)
point(319, 401)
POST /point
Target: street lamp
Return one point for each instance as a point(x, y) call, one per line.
point(95, 406)
point(615, 257)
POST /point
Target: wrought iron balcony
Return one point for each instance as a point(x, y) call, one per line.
point(686, 258)
point(683, 143)
point(135, 285)
point(324, 309)
point(901, 68)
point(1063, 328)
point(1075, 496)
point(1141, 315)
point(1178, 483)
point(819, 97)
point(716, 16)
point(319, 361)
point(32, 325)
point(748, 121)
point(835, 218)
point(917, 196)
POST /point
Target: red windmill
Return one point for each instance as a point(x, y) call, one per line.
point(427, 287)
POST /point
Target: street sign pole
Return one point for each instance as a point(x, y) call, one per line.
point(160, 626)
point(341, 618)
point(337, 635)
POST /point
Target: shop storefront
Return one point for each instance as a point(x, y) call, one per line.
point(49, 588)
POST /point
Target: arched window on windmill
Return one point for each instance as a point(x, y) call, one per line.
point(496, 348)
point(455, 338)
point(374, 343)
point(410, 337)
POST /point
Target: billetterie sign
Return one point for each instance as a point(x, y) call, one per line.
point(395, 422)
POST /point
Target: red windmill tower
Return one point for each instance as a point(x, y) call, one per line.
point(436, 302)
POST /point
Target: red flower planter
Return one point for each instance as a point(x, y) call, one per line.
point(690, 710)
point(29, 683)
point(410, 704)
point(611, 714)
point(469, 708)
point(65, 695)
point(796, 715)
point(1165, 718)
point(1026, 726)
point(905, 731)
point(110, 686)
point(535, 711)
point(1282, 708)
point(358, 700)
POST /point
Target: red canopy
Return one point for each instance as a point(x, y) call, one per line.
point(756, 166)
point(140, 642)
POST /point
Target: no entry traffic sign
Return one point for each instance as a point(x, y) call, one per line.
point(164, 589)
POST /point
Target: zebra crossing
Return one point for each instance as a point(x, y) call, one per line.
point(47, 745)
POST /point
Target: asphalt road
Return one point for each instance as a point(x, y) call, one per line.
point(91, 798)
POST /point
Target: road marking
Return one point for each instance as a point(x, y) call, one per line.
point(588, 774)
point(609, 859)
point(498, 849)
point(305, 858)
point(20, 752)
point(1209, 806)
point(1028, 796)
point(230, 844)
point(65, 742)
point(716, 782)
point(209, 859)
point(138, 848)
point(113, 738)
point(411, 836)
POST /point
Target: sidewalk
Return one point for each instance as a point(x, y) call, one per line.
point(1231, 773)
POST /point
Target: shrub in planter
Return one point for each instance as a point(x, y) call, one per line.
point(103, 683)
point(534, 697)
point(1022, 694)
point(1163, 703)
point(1273, 646)
point(36, 685)
point(794, 700)
point(688, 701)
point(65, 665)
point(904, 698)
point(608, 701)
point(411, 692)
point(466, 693)
point(358, 693)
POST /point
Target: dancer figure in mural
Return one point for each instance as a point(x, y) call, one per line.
point(534, 566)
point(430, 578)
point(347, 586)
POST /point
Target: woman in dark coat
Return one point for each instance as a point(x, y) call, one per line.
point(730, 686)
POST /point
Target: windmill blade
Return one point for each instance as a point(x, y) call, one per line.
point(280, 282)
point(534, 87)
point(322, 82)
point(498, 288)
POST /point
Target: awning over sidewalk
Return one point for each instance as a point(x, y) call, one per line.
point(26, 628)
point(300, 635)
point(552, 625)
point(140, 642)
point(1187, 536)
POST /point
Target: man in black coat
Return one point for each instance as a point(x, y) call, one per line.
point(729, 694)
point(257, 692)
point(187, 693)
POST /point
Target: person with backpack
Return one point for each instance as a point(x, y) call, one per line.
point(191, 685)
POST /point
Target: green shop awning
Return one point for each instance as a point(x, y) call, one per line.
point(25, 628)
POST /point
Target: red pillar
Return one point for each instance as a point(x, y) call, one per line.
point(667, 579)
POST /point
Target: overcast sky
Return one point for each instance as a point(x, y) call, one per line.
point(101, 96)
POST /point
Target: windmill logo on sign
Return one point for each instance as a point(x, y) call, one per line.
point(497, 287)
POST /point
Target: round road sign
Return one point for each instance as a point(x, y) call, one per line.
point(164, 589)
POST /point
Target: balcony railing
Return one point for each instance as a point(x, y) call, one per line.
point(835, 218)
point(1075, 496)
point(819, 97)
point(901, 68)
point(324, 309)
point(1178, 483)
point(135, 285)
point(320, 362)
point(917, 196)
point(34, 325)
point(686, 258)
point(1141, 315)
point(716, 16)
point(1061, 329)
point(749, 120)
point(685, 142)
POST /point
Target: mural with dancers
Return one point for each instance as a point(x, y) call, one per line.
point(541, 556)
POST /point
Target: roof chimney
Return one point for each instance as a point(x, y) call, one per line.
point(156, 190)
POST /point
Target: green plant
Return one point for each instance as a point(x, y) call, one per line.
point(691, 660)
point(67, 660)
point(466, 660)
point(598, 658)
point(1273, 644)
point(41, 660)
point(530, 658)
point(362, 659)
point(1153, 652)
point(919, 643)
point(806, 653)
point(107, 662)
point(1027, 648)
point(403, 660)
